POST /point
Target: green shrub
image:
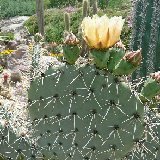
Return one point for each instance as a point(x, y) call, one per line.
point(63, 3)
point(32, 25)
point(102, 3)
point(7, 35)
point(11, 8)
point(47, 4)
point(54, 24)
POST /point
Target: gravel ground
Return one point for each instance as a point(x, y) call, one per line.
point(13, 96)
point(14, 25)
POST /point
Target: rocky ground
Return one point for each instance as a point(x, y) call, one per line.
point(15, 78)
point(14, 25)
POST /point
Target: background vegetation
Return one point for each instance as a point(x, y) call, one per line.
point(11, 8)
point(54, 10)
point(54, 24)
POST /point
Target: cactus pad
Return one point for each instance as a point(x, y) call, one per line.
point(84, 113)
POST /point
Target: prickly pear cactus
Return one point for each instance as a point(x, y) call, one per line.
point(83, 112)
point(13, 147)
point(149, 146)
point(85, 108)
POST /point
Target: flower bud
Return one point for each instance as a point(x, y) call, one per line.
point(119, 44)
point(5, 77)
point(134, 57)
point(71, 39)
point(155, 76)
point(71, 48)
point(129, 63)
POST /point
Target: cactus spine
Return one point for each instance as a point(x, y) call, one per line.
point(146, 35)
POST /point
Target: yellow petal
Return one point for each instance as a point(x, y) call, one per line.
point(115, 28)
point(90, 31)
point(103, 31)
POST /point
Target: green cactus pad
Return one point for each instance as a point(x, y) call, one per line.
point(100, 57)
point(151, 88)
point(116, 54)
point(84, 113)
point(15, 148)
point(71, 53)
point(148, 147)
point(124, 68)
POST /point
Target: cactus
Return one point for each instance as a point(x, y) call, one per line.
point(71, 48)
point(85, 108)
point(148, 148)
point(83, 111)
point(36, 54)
point(79, 110)
point(14, 147)
point(145, 35)
point(85, 8)
point(67, 22)
point(95, 6)
point(151, 87)
point(85, 13)
point(38, 38)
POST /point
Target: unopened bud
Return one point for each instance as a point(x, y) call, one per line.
point(156, 76)
point(5, 77)
point(119, 44)
point(151, 86)
point(71, 39)
point(134, 57)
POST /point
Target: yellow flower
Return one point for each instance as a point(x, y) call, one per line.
point(6, 52)
point(102, 32)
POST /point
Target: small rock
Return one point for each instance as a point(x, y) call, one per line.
point(5, 92)
point(18, 53)
point(12, 45)
point(15, 76)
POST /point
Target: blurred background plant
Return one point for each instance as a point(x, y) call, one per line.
point(6, 36)
point(54, 10)
point(11, 8)
point(54, 24)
